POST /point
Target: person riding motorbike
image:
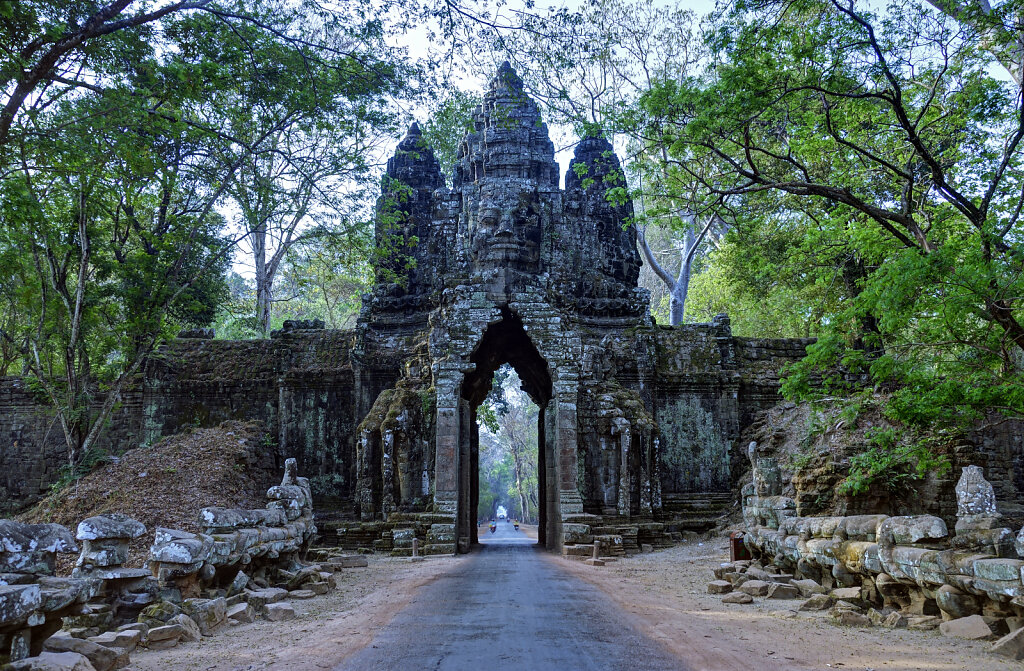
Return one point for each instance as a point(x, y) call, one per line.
point(493, 527)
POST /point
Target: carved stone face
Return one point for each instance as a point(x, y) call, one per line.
point(506, 232)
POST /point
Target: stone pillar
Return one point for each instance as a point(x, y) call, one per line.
point(446, 465)
point(570, 501)
point(621, 427)
point(465, 515)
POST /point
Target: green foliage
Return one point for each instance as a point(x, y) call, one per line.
point(449, 123)
point(891, 462)
point(71, 473)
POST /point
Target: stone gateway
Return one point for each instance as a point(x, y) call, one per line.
point(636, 420)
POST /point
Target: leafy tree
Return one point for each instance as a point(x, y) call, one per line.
point(121, 137)
point(885, 134)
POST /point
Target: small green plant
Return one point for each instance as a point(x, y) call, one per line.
point(802, 460)
point(849, 414)
point(815, 427)
point(70, 473)
point(890, 463)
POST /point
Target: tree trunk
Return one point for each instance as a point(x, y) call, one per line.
point(263, 280)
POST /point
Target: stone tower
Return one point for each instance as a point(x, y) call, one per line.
point(507, 267)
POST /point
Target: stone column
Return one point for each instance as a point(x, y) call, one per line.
point(570, 501)
point(446, 464)
point(621, 427)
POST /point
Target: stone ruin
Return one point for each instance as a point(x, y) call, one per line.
point(500, 264)
point(247, 563)
point(881, 570)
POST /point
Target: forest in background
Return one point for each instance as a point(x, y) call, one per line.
point(827, 168)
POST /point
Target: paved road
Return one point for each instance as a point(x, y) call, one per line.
point(510, 608)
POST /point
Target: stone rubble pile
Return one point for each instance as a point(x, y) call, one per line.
point(247, 564)
point(877, 570)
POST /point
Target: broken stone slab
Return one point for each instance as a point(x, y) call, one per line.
point(167, 636)
point(719, 587)
point(755, 587)
point(103, 527)
point(208, 614)
point(242, 613)
point(301, 594)
point(101, 657)
point(127, 639)
point(180, 547)
point(219, 520)
point(18, 602)
point(779, 590)
point(52, 661)
point(259, 599)
point(303, 576)
point(895, 620)
point(279, 612)
point(737, 597)
point(1011, 645)
point(319, 587)
point(849, 618)
point(808, 587)
point(818, 602)
point(923, 622)
point(190, 632)
point(973, 627)
point(908, 530)
point(159, 613)
point(32, 548)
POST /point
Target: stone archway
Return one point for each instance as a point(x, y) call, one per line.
point(503, 342)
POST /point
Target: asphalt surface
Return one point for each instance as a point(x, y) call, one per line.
point(510, 607)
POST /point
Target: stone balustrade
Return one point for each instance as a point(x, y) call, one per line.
point(911, 563)
point(235, 539)
point(103, 594)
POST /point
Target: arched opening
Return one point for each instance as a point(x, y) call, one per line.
point(508, 461)
point(504, 342)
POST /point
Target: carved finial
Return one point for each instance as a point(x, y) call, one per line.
point(414, 129)
point(506, 76)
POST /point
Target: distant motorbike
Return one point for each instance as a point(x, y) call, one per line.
point(516, 525)
point(493, 527)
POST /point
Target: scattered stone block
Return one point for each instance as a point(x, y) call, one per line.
point(191, 632)
point(52, 661)
point(101, 657)
point(301, 594)
point(754, 587)
point(808, 587)
point(737, 597)
point(851, 594)
point(956, 603)
point(923, 622)
point(849, 618)
point(719, 587)
point(279, 612)
point(1011, 645)
point(972, 627)
point(166, 632)
point(722, 569)
point(140, 627)
point(785, 614)
point(780, 590)
point(318, 587)
point(238, 585)
point(818, 602)
point(242, 613)
point(127, 640)
point(895, 620)
point(207, 613)
point(260, 599)
point(593, 562)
